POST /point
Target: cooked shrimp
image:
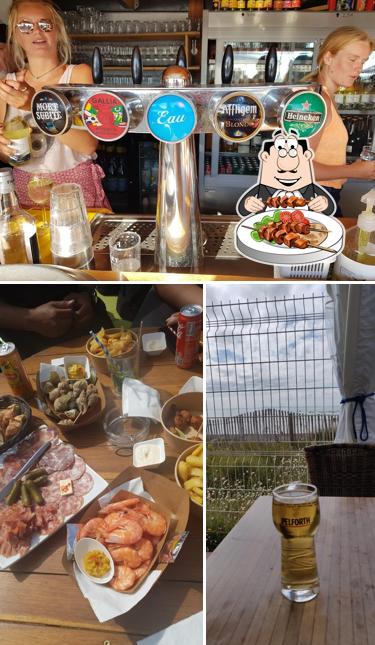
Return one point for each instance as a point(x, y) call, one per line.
point(119, 506)
point(140, 571)
point(126, 555)
point(123, 579)
point(113, 520)
point(153, 523)
point(129, 533)
point(145, 549)
point(93, 528)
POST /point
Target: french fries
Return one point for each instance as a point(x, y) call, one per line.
point(117, 343)
point(190, 473)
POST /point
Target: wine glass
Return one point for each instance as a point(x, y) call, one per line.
point(39, 189)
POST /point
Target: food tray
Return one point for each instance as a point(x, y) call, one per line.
point(99, 485)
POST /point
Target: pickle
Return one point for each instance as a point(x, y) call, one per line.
point(14, 494)
point(37, 472)
point(34, 493)
point(25, 496)
point(39, 481)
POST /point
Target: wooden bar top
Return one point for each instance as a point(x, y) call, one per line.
point(244, 603)
point(39, 601)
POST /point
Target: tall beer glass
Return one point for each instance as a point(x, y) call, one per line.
point(295, 513)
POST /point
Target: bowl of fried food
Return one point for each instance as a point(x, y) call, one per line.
point(188, 474)
point(182, 420)
point(15, 415)
point(118, 342)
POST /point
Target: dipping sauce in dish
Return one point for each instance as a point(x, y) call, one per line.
point(76, 371)
point(96, 563)
point(149, 453)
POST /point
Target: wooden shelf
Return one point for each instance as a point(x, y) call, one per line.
point(141, 36)
point(114, 68)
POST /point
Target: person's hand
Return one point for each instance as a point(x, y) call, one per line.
point(362, 169)
point(5, 145)
point(83, 309)
point(17, 93)
point(318, 204)
point(53, 319)
point(254, 204)
point(172, 321)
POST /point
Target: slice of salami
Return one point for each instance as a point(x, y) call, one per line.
point(58, 458)
point(47, 434)
point(70, 504)
point(48, 518)
point(83, 485)
point(11, 468)
point(51, 493)
point(74, 472)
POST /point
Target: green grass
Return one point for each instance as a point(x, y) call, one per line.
point(110, 305)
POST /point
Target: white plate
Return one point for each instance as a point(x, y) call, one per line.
point(89, 544)
point(268, 253)
point(99, 485)
point(40, 273)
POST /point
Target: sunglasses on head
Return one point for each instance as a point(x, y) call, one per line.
point(27, 27)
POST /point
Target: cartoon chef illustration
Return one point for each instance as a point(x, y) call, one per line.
point(286, 178)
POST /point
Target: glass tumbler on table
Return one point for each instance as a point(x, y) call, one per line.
point(125, 251)
point(39, 190)
point(119, 368)
point(295, 514)
point(71, 239)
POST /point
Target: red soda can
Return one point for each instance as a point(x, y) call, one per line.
point(190, 324)
point(13, 370)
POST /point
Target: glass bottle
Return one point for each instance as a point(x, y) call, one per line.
point(18, 236)
point(18, 132)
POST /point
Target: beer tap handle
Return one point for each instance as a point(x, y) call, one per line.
point(227, 65)
point(181, 59)
point(271, 64)
point(137, 66)
point(97, 66)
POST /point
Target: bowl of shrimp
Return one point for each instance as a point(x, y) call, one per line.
point(117, 340)
point(182, 420)
point(132, 530)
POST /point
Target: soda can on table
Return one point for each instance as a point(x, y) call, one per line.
point(190, 323)
point(13, 370)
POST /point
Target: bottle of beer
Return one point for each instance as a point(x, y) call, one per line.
point(18, 132)
point(18, 239)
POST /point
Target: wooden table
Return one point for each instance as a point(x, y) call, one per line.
point(41, 603)
point(244, 603)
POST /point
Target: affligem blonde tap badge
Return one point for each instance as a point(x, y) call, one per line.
point(287, 218)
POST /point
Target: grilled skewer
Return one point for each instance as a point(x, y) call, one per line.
point(276, 231)
point(286, 202)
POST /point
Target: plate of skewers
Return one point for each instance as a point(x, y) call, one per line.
point(289, 236)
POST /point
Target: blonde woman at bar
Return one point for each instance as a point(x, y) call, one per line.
point(340, 61)
point(41, 49)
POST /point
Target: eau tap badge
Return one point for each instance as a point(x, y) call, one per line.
point(238, 117)
point(286, 215)
point(171, 118)
point(52, 112)
point(105, 116)
point(305, 112)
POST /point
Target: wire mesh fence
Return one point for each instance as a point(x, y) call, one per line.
point(271, 390)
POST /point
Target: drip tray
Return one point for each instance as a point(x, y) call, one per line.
point(218, 233)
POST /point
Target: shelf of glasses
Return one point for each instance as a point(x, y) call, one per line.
point(146, 68)
point(137, 36)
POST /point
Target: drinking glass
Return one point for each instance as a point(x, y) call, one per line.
point(120, 367)
point(39, 189)
point(125, 251)
point(71, 239)
point(367, 154)
point(295, 514)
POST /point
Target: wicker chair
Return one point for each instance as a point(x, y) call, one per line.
point(342, 470)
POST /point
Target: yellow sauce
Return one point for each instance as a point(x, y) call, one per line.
point(96, 563)
point(76, 371)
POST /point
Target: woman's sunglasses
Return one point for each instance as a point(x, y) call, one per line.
point(27, 27)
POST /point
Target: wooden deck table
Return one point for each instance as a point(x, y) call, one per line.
point(244, 603)
point(41, 603)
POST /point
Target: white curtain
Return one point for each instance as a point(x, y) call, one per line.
point(352, 312)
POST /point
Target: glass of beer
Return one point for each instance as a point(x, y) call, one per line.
point(295, 513)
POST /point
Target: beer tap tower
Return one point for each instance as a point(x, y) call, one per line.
point(173, 113)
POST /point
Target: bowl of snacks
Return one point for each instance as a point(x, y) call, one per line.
point(94, 560)
point(182, 420)
point(15, 415)
point(188, 474)
point(118, 341)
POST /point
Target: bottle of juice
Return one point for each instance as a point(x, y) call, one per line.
point(18, 132)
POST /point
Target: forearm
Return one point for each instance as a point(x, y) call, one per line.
point(323, 171)
point(80, 141)
point(12, 317)
point(177, 296)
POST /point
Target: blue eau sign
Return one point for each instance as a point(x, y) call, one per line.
point(171, 118)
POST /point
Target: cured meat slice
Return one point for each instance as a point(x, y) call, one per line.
point(83, 485)
point(11, 467)
point(58, 458)
point(51, 493)
point(74, 472)
point(70, 505)
point(48, 518)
